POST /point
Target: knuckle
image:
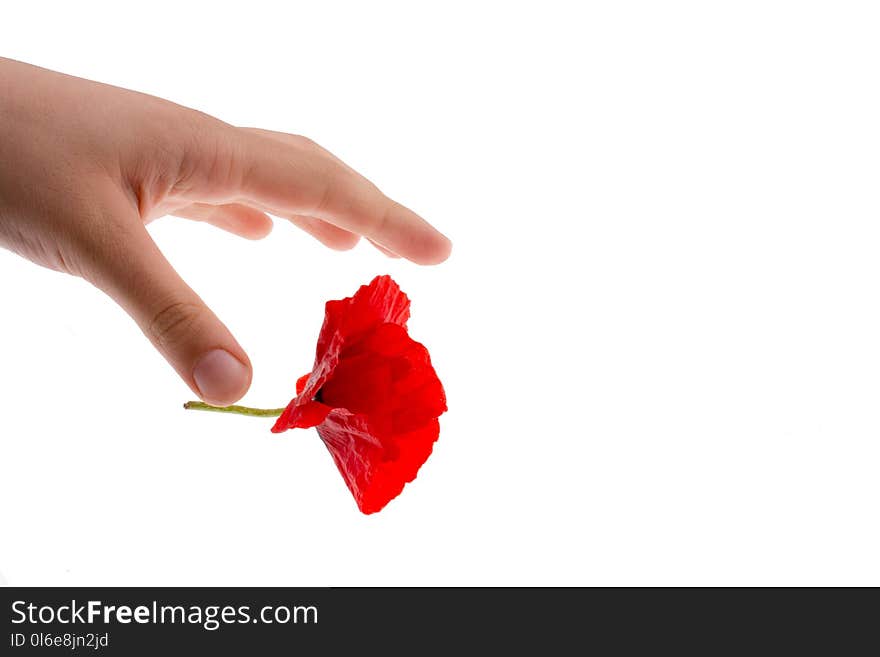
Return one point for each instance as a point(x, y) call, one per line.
point(207, 157)
point(173, 323)
point(380, 221)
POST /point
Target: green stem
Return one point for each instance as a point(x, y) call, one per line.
point(238, 410)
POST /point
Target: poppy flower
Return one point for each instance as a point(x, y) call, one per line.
point(372, 394)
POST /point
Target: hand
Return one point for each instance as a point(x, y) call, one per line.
point(84, 166)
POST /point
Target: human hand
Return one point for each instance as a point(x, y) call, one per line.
point(84, 166)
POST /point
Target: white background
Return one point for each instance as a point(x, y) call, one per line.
point(658, 330)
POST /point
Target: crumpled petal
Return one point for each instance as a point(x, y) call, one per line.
point(304, 415)
point(380, 302)
point(375, 472)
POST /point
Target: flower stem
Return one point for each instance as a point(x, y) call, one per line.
point(238, 410)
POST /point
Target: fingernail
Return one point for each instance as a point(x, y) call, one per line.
point(220, 377)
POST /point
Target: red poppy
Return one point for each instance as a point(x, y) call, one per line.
point(372, 394)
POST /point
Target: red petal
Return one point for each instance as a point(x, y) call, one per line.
point(301, 414)
point(380, 302)
point(374, 473)
point(362, 384)
point(301, 383)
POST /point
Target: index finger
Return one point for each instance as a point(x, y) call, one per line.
point(295, 175)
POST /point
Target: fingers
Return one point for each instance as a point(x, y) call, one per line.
point(234, 217)
point(293, 176)
point(253, 224)
point(328, 234)
point(128, 266)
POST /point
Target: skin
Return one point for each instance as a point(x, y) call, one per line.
point(85, 166)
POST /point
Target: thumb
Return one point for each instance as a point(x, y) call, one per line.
point(129, 267)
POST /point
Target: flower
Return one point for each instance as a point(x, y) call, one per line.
point(372, 394)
